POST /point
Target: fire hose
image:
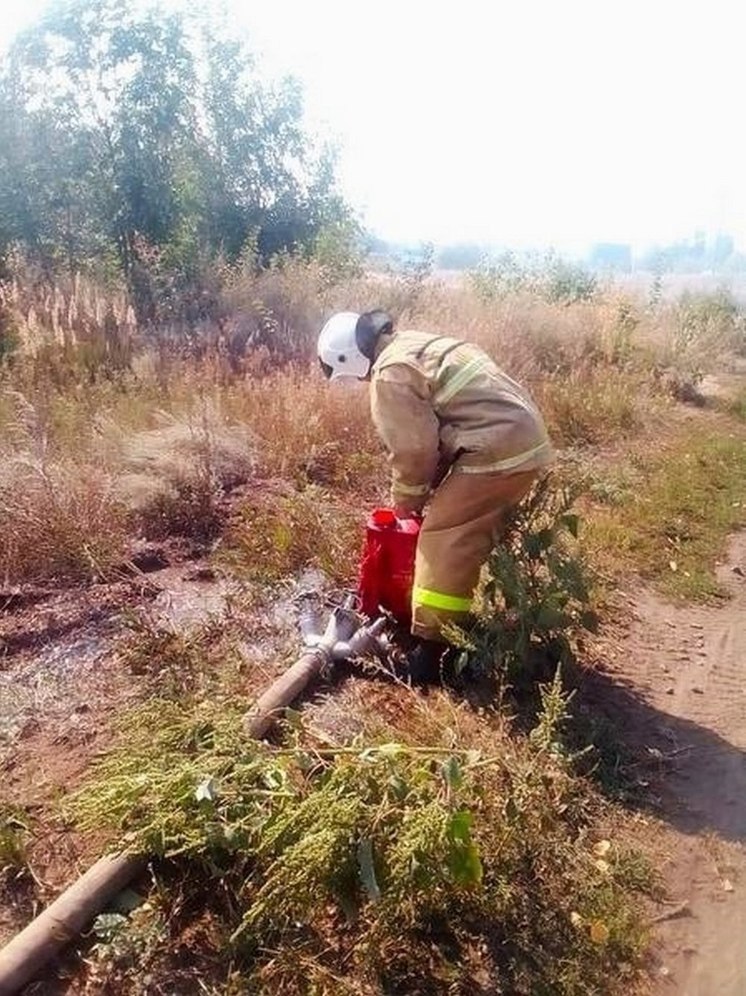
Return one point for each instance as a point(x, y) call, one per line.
point(346, 636)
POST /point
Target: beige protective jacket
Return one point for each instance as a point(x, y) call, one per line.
point(440, 404)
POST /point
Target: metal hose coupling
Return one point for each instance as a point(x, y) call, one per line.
point(365, 641)
point(347, 633)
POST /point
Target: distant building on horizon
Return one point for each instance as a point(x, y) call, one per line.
point(613, 257)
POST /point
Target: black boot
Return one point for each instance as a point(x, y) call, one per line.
point(423, 662)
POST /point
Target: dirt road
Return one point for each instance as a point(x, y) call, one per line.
point(686, 668)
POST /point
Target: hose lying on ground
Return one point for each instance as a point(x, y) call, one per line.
point(30, 950)
point(24, 957)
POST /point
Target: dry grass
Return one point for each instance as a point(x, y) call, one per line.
point(149, 433)
point(173, 478)
point(308, 430)
point(590, 407)
point(227, 430)
point(70, 501)
point(69, 314)
point(60, 516)
point(58, 520)
point(279, 532)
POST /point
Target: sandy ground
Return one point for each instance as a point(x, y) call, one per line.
point(682, 671)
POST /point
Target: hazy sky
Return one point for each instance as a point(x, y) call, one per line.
point(533, 121)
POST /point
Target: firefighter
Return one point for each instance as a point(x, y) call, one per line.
point(462, 438)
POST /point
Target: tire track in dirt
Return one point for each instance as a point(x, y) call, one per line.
point(688, 665)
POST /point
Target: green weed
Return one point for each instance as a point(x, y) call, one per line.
point(673, 526)
point(614, 485)
point(392, 867)
point(127, 942)
point(14, 834)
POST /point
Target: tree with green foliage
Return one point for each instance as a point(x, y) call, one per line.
point(131, 134)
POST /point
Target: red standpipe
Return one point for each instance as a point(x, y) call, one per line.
point(387, 565)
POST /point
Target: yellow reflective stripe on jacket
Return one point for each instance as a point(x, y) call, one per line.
point(460, 378)
point(437, 600)
point(508, 464)
point(411, 489)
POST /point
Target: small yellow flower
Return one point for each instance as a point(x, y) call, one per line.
point(599, 932)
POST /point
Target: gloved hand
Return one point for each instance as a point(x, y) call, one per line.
point(403, 512)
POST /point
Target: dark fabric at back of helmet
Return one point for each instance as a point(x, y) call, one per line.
point(370, 326)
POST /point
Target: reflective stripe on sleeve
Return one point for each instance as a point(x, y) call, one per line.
point(508, 464)
point(437, 600)
point(460, 378)
point(411, 489)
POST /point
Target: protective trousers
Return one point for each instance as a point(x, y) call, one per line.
point(463, 523)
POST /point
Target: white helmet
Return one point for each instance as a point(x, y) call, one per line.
point(338, 348)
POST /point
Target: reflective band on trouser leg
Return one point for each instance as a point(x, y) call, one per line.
point(459, 530)
point(438, 600)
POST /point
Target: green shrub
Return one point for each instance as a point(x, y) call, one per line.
point(14, 836)
point(535, 596)
point(390, 868)
point(9, 336)
point(566, 283)
point(712, 320)
point(549, 276)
